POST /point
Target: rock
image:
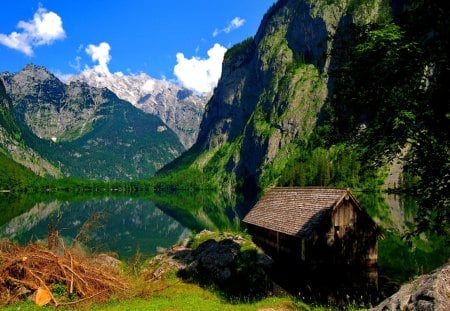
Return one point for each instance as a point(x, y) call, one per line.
point(214, 259)
point(161, 265)
point(108, 262)
point(428, 292)
point(222, 263)
point(181, 109)
point(265, 261)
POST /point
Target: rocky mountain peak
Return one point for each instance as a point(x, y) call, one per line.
point(33, 80)
point(88, 131)
point(36, 70)
point(179, 108)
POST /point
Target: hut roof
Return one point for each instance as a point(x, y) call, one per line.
point(296, 211)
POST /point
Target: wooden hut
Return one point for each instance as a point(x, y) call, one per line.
point(314, 225)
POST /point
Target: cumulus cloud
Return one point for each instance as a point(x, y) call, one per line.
point(100, 53)
point(235, 23)
point(45, 28)
point(200, 75)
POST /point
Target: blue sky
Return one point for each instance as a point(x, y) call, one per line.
point(139, 35)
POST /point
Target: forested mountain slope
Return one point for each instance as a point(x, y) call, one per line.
point(326, 93)
point(14, 152)
point(88, 132)
point(179, 108)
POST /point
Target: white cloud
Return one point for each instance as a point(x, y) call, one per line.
point(200, 75)
point(235, 23)
point(45, 28)
point(100, 53)
point(64, 77)
point(76, 64)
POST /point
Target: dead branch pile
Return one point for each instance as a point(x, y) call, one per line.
point(62, 280)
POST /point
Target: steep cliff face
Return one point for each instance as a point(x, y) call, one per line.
point(87, 131)
point(273, 87)
point(12, 144)
point(51, 109)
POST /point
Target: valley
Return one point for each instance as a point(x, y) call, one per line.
point(87, 132)
point(181, 109)
point(344, 94)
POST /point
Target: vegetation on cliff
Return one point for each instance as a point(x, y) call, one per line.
point(328, 93)
point(86, 132)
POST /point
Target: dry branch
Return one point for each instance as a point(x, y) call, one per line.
point(34, 266)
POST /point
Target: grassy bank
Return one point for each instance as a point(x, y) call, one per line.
point(146, 287)
point(74, 279)
point(177, 295)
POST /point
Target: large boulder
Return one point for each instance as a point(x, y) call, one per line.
point(223, 264)
point(428, 292)
point(214, 260)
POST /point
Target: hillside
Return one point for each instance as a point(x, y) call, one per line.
point(326, 93)
point(179, 108)
point(88, 132)
point(15, 154)
point(272, 89)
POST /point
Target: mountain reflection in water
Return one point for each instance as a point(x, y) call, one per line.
point(120, 225)
point(148, 223)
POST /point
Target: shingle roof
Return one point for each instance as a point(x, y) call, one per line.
point(295, 211)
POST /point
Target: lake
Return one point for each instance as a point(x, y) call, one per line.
point(151, 223)
point(120, 225)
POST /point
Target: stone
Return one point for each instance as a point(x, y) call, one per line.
point(108, 262)
point(222, 264)
point(428, 292)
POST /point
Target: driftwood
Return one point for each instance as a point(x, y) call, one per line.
point(33, 267)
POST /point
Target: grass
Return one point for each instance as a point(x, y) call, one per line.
point(184, 296)
point(170, 292)
point(144, 292)
point(177, 295)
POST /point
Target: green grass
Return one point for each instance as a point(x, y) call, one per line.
point(177, 295)
point(185, 296)
point(173, 293)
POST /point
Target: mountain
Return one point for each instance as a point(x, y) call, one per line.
point(15, 155)
point(88, 132)
point(327, 93)
point(272, 89)
point(179, 108)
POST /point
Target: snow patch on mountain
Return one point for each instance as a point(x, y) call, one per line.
point(181, 109)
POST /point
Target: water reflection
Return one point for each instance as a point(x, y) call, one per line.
point(202, 210)
point(120, 225)
point(151, 221)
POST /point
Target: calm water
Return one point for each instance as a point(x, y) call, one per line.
point(120, 225)
point(125, 225)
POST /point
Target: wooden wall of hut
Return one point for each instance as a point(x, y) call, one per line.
point(346, 237)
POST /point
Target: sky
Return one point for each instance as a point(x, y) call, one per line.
point(182, 41)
